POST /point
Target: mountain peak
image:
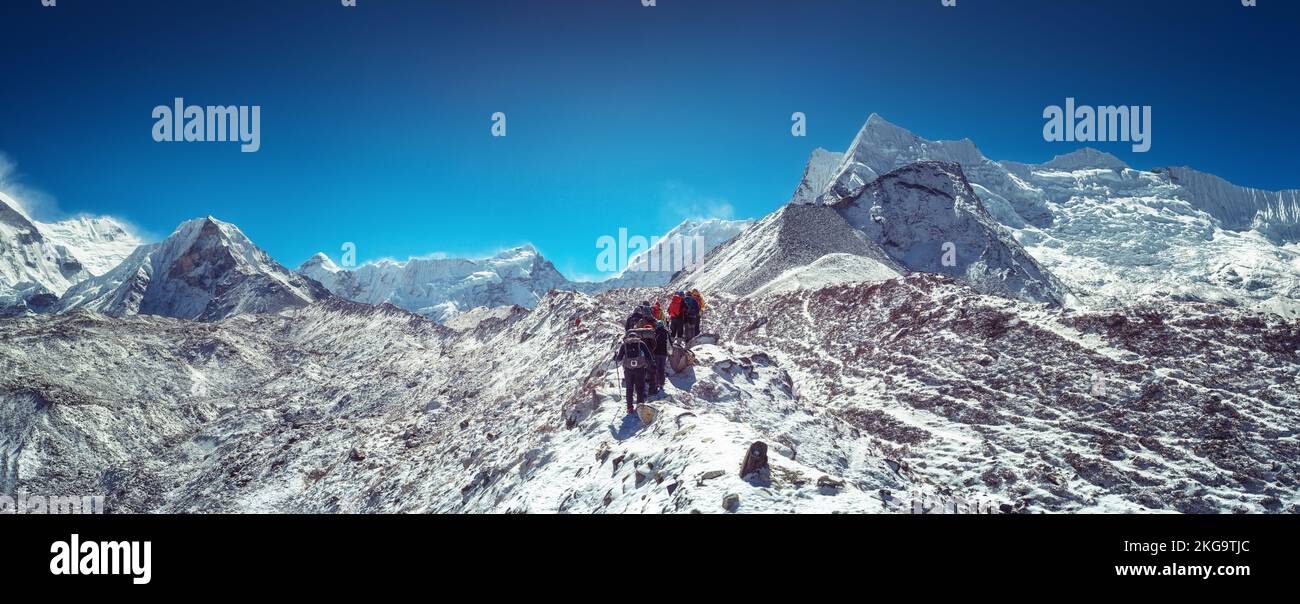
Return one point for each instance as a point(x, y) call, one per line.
point(205, 270)
point(1086, 158)
point(519, 251)
point(878, 129)
point(321, 261)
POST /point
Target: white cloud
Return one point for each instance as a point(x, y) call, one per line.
point(33, 203)
point(682, 201)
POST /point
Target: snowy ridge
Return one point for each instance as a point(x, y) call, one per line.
point(1113, 235)
point(817, 175)
point(441, 288)
point(792, 238)
point(881, 147)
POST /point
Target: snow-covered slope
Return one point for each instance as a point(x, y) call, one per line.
point(866, 395)
point(206, 270)
point(441, 288)
point(99, 243)
point(1275, 214)
point(1121, 236)
point(899, 222)
point(39, 261)
point(790, 239)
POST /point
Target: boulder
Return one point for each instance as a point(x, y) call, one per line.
point(755, 459)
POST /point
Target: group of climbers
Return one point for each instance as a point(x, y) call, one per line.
point(647, 334)
point(684, 313)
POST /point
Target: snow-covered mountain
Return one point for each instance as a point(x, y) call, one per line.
point(818, 174)
point(442, 288)
point(1120, 236)
point(1113, 235)
point(712, 232)
point(206, 270)
point(897, 223)
point(881, 147)
point(39, 261)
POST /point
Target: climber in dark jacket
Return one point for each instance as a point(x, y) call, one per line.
point(661, 357)
point(634, 351)
point(639, 317)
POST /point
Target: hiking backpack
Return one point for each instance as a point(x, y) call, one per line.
point(690, 307)
point(646, 335)
point(632, 357)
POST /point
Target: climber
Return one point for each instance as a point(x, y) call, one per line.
point(699, 299)
point(658, 312)
point(661, 358)
point(637, 360)
point(640, 316)
point(692, 307)
point(675, 320)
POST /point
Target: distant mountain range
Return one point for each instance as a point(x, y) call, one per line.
point(1081, 229)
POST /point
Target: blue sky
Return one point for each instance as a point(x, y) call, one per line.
point(376, 119)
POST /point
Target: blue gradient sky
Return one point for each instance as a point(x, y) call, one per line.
point(375, 119)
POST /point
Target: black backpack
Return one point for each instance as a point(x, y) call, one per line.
point(632, 357)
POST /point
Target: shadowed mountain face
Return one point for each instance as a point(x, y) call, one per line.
point(928, 219)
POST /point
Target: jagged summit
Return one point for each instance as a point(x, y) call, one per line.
point(441, 287)
point(880, 147)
